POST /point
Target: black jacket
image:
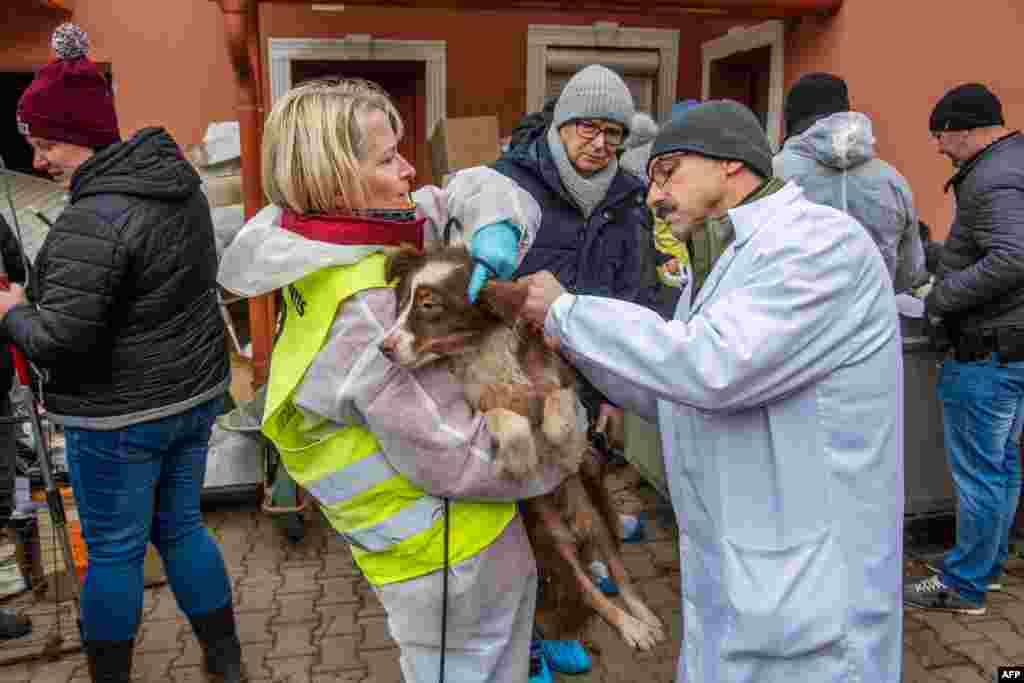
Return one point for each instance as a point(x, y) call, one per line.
point(980, 278)
point(124, 314)
point(599, 256)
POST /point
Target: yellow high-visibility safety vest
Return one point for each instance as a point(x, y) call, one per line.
point(394, 528)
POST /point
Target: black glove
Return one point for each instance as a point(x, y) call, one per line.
point(939, 336)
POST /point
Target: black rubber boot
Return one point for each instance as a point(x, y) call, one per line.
point(222, 653)
point(110, 661)
point(13, 625)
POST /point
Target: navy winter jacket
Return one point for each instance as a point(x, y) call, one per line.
point(602, 256)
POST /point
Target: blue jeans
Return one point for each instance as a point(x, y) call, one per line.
point(983, 412)
point(139, 484)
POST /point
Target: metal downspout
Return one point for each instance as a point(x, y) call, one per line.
point(241, 23)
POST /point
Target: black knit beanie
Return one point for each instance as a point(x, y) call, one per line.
point(814, 97)
point(966, 106)
point(720, 129)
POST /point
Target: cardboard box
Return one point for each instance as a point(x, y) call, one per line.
point(463, 143)
point(223, 190)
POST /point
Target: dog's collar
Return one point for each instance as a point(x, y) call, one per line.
point(348, 229)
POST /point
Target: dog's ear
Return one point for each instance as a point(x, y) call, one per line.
point(504, 298)
point(402, 262)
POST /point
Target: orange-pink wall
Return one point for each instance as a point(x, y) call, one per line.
point(25, 37)
point(168, 58)
point(899, 58)
point(170, 63)
point(486, 51)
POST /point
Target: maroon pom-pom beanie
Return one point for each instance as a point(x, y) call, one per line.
point(69, 100)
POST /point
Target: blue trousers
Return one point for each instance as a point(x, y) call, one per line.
point(983, 412)
point(139, 484)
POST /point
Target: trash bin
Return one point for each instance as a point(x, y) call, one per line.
point(928, 484)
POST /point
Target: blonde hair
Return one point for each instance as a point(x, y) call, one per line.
point(314, 140)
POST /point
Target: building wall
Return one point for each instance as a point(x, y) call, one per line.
point(899, 58)
point(25, 37)
point(168, 58)
point(486, 50)
point(170, 65)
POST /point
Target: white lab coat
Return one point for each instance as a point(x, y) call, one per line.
point(778, 395)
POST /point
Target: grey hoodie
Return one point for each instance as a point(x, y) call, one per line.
point(834, 162)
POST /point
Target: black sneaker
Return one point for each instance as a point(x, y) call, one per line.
point(933, 594)
point(994, 586)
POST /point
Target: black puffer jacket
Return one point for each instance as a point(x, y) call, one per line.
point(980, 278)
point(125, 316)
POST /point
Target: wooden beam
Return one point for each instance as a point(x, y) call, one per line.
point(62, 7)
point(767, 9)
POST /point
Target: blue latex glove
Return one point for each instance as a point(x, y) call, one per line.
point(495, 248)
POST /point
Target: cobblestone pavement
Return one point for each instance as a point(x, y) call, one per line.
point(305, 614)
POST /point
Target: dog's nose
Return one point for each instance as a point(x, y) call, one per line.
point(388, 347)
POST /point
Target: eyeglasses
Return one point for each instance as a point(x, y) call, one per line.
point(590, 130)
point(664, 168)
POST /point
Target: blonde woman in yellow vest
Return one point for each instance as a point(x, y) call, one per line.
point(380, 447)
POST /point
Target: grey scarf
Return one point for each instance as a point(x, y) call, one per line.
point(586, 192)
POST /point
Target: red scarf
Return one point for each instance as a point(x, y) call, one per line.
point(355, 230)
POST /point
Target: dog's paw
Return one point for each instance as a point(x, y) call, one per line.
point(638, 634)
point(517, 451)
point(643, 612)
point(559, 416)
point(573, 452)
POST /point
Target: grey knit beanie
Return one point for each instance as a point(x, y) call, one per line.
point(595, 92)
point(720, 129)
point(642, 131)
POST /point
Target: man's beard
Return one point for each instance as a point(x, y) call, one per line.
point(680, 230)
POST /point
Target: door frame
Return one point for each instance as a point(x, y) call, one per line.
point(597, 35)
point(743, 39)
point(281, 52)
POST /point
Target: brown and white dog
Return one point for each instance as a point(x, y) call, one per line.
point(528, 397)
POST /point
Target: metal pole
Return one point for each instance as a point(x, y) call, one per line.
point(54, 500)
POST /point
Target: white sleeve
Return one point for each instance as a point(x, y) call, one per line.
point(787, 324)
point(480, 196)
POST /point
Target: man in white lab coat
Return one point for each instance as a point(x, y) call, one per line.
point(777, 390)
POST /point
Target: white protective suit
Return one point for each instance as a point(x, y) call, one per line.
point(778, 395)
point(427, 431)
point(834, 162)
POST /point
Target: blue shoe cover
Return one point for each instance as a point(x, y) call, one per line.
point(566, 656)
point(608, 586)
point(539, 671)
point(638, 534)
